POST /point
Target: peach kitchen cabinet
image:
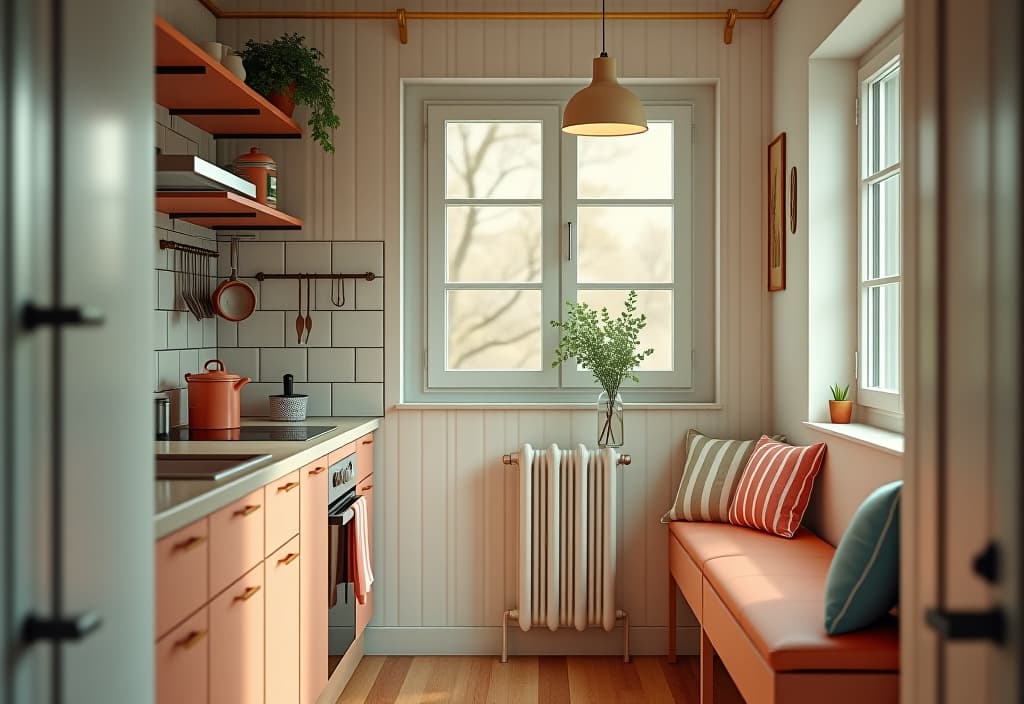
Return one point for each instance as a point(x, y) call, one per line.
point(236, 641)
point(313, 583)
point(181, 568)
point(364, 457)
point(282, 520)
point(282, 570)
point(182, 662)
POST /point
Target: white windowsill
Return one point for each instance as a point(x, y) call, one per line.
point(878, 438)
point(523, 406)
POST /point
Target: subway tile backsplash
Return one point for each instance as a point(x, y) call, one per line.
point(341, 367)
point(181, 342)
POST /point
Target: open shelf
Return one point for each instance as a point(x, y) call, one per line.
point(198, 89)
point(220, 210)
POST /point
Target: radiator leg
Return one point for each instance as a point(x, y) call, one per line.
point(504, 636)
point(625, 635)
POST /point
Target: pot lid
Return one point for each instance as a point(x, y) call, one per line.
point(219, 373)
point(255, 158)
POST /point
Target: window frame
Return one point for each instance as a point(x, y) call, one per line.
point(417, 95)
point(879, 407)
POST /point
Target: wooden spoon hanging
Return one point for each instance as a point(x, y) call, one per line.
point(309, 318)
point(300, 324)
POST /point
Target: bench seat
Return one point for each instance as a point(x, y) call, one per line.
point(760, 601)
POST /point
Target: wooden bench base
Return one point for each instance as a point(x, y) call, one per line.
point(721, 634)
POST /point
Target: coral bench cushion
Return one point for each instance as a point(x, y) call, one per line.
point(775, 590)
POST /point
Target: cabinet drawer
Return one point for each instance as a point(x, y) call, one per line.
point(236, 540)
point(236, 641)
point(181, 574)
point(341, 453)
point(282, 510)
point(181, 662)
point(364, 457)
point(282, 576)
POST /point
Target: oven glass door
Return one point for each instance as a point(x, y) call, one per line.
point(341, 595)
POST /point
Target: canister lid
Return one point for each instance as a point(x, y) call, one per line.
point(255, 158)
point(219, 373)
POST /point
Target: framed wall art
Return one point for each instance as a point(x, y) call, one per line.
point(777, 213)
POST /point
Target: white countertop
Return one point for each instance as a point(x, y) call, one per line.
point(183, 501)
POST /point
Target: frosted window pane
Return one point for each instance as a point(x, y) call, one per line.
point(494, 330)
point(884, 236)
point(625, 244)
point(885, 121)
point(493, 243)
point(883, 321)
point(657, 306)
point(493, 160)
point(634, 166)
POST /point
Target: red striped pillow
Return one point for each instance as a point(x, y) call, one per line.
point(775, 487)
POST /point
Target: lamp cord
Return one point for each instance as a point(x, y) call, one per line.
point(603, 52)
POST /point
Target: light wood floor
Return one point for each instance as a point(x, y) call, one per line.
point(525, 680)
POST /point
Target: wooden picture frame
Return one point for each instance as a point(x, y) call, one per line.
point(777, 213)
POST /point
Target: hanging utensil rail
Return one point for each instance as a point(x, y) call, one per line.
point(368, 276)
point(170, 244)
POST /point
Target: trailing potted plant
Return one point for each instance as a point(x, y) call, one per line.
point(289, 73)
point(839, 408)
point(609, 349)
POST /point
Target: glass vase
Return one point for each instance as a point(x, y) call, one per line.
point(609, 420)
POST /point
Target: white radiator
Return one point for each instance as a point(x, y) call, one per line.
point(567, 538)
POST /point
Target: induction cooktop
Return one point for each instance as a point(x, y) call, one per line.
point(253, 433)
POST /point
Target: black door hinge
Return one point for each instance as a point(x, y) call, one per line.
point(969, 625)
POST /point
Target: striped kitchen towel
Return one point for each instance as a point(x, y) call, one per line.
point(362, 570)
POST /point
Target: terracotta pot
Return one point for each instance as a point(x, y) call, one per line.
point(285, 100)
point(215, 398)
point(841, 411)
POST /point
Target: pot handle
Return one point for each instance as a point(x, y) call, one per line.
point(220, 366)
point(242, 382)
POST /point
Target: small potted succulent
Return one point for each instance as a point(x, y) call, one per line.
point(839, 408)
point(289, 73)
point(609, 348)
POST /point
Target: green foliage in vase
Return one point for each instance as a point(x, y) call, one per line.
point(272, 66)
point(607, 347)
point(839, 394)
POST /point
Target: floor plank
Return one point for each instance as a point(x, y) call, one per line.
point(527, 680)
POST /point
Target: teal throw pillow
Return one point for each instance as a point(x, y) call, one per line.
point(863, 583)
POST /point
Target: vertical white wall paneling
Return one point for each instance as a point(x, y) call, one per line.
point(446, 532)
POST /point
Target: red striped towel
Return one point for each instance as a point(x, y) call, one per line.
point(359, 553)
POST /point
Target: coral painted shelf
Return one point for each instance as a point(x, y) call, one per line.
point(198, 89)
point(220, 210)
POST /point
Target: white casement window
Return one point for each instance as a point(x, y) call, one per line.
point(879, 331)
point(518, 218)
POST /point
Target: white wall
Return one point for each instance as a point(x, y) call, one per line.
point(802, 360)
point(444, 558)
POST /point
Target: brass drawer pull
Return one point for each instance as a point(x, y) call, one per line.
point(191, 640)
point(318, 470)
point(368, 442)
point(186, 545)
point(248, 510)
point(367, 487)
point(287, 487)
point(249, 593)
point(288, 559)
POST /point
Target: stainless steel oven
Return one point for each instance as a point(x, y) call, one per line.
point(341, 601)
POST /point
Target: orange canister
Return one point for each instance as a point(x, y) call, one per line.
point(215, 398)
point(261, 170)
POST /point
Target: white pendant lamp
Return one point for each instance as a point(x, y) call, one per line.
point(604, 108)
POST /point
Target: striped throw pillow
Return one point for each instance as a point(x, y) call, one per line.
point(775, 488)
point(711, 473)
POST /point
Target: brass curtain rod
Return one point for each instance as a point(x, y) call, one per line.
point(402, 16)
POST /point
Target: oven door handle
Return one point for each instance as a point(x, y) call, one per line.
point(340, 516)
